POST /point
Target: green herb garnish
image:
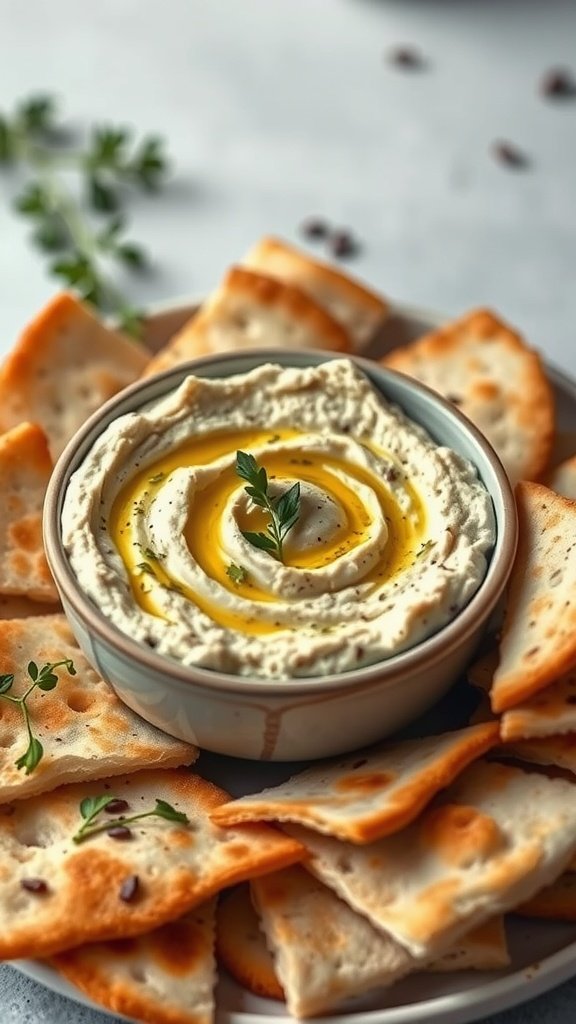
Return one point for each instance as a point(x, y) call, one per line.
point(425, 547)
point(237, 573)
point(45, 679)
point(92, 806)
point(80, 247)
point(283, 510)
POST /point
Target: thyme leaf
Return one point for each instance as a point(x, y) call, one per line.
point(283, 511)
point(45, 679)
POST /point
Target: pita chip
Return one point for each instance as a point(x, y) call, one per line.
point(538, 641)
point(14, 607)
point(241, 946)
point(25, 468)
point(496, 837)
point(323, 951)
point(86, 732)
point(82, 899)
point(360, 311)
point(550, 712)
point(251, 310)
point(562, 479)
point(166, 976)
point(551, 751)
point(557, 902)
point(62, 368)
point(370, 794)
point(487, 370)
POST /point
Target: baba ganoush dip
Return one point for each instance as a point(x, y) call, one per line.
point(391, 538)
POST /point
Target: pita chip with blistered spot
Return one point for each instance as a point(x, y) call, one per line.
point(178, 866)
point(497, 836)
point(251, 310)
point(370, 794)
point(166, 976)
point(241, 946)
point(63, 367)
point(323, 951)
point(86, 732)
point(360, 311)
point(482, 365)
point(538, 642)
point(550, 712)
point(25, 468)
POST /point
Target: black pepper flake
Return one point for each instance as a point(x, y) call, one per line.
point(117, 806)
point(558, 84)
point(37, 885)
point(129, 888)
point(359, 764)
point(509, 154)
point(119, 832)
point(343, 245)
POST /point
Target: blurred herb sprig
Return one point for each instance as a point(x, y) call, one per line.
point(81, 226)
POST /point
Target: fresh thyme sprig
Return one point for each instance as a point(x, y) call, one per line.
point(92, 806)
point(33, 140)
point(45, 679)
point(237, 573)
point(283, 510)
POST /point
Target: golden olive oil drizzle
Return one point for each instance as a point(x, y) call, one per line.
point(203, 531)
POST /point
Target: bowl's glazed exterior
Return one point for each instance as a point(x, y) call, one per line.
point(299, 718)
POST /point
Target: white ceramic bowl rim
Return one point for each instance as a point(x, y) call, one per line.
point(429, 651)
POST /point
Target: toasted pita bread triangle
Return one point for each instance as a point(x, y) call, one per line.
point(538, 641)
point(178, 866)
point(164, 977)
point(360, 311)
point(486, 368)
point(558, 751)
point(369, 794)
point(86, 732)
point(496, 837)
point(62, 368)
point(251, 310)
point(562, 479)
point(552, 711)
point(557, 902)
point(241, 946)
point(25, 468)
point(14, 607)
point(323, 951)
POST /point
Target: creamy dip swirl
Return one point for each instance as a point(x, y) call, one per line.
point(391, 540)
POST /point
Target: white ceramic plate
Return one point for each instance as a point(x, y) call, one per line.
point(543, 953)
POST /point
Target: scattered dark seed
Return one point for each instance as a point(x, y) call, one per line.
point(313, 227)
point(119, 832)
point(359, 764)
point(343, 245)
point(510, 155)
point(34, 885)
point(129, 888)
point(455, 399)
point(407, 57)
point(117, 806)
point(558, 84)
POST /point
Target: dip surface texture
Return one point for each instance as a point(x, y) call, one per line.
point(390, 543)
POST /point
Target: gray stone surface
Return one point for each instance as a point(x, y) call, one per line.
point(277, 110)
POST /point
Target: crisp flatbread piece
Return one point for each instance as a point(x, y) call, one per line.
point(25, 468)
point(556, 902)
point(241, 947)
point(323, 951)
point(562, 479)
point(166, 976)
point(538, 642)
point(251, 310)
point(62, 368)
point(360, 311)
point(485, 368)
point(178, 866)
point(496, 837)
point(14, 607)
point(551, 751)
point(85, 730)
point(550, 712)
point(370, 794)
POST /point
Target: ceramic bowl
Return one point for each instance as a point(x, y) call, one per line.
point(299, 718)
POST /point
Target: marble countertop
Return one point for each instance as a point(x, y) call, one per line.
point(277, 111)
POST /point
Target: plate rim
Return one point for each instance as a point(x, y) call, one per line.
point(461, 1007)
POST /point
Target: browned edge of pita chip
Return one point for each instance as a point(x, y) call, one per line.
point(241, 946)
point(557, 902)
point(538, 641)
